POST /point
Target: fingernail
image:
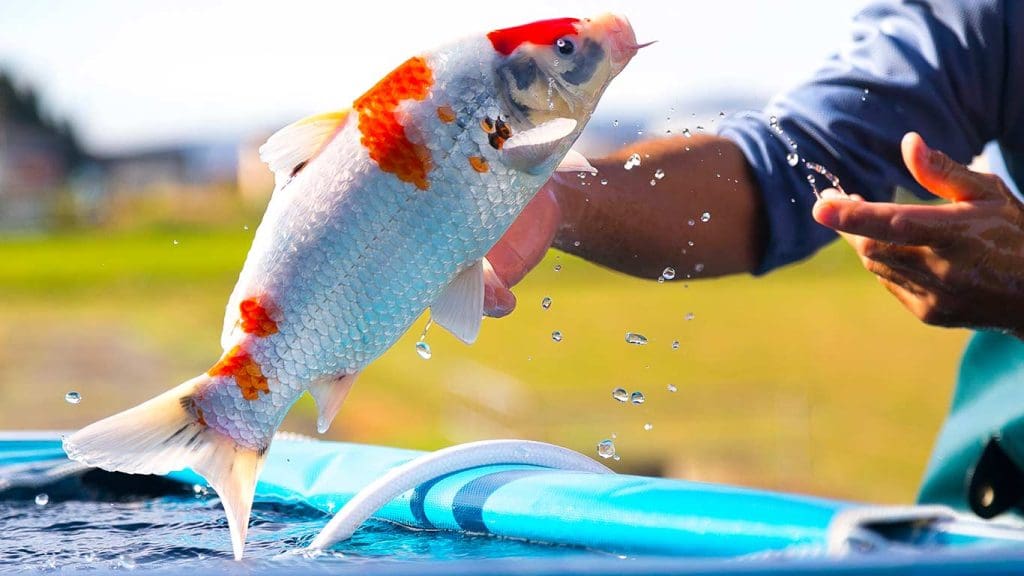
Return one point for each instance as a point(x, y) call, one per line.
point(504, 303)
point(825, 214)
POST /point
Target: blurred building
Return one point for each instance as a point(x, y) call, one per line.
point(33, 167)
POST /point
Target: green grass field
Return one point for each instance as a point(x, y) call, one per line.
point(809, 379)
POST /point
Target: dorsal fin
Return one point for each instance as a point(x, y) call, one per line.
point(292, 147)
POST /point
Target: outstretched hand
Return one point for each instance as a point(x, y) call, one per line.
point(954, 264)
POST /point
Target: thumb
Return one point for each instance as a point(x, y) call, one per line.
point(943, 176)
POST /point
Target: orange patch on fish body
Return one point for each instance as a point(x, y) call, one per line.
point(382, 134)
point(248, 375)
point(478, 163)
point(446, 114)
point(255, 317)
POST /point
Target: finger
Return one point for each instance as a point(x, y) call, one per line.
point(945, 177)
point(914, 302)
point(498, 299)
point(917, 263)
point(527, 240)
point(913, 224)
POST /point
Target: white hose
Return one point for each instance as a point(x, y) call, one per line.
point(436, 464)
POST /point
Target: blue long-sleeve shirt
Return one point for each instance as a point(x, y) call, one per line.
point(951, 70)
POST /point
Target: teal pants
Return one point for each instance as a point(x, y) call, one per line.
point(978, 461)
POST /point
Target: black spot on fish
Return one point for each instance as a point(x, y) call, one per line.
point(586, 60)
point(521, 71)
point(299, 167)
point(177, 433)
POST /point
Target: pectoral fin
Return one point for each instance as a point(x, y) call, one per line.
point(460, 308)
point(292, 147)
point(330, 394)
point(575, 162)
point(528, 150)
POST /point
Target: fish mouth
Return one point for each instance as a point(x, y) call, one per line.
point(620, 38)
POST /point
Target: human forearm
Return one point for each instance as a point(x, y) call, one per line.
point(634, 227)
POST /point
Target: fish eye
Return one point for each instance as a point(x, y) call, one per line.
point(565, 46)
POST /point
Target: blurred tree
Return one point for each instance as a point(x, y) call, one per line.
point(21, 106)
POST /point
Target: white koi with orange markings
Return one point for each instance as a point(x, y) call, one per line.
point(380, 212)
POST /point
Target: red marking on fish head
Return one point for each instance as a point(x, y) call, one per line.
point(543, 33)
point(383, 136)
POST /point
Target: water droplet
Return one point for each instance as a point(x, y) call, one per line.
point(659, 173)
point(637, 398)
point(672, 388)
point(633, 161)
point(576, 243)
point(689, 242)
point(72, 397)
point(698, 267)
point(616, 458)
point(620, 394)
point(558, 267)
point(705, 217)
point(423, 349)
point(200, 490)
point(721, 114)
point(690, 316)
point(675, 344)
point(174, 242)
point(700, 128)
point(606, 448)
point(653, 181)
point(648, 426)
point(686, 132)
point(691, 222)
point(864, 97)
point(634, 338)
point(556, 336)
point(604, 182)
point(661, 279)
point(546, 302)
point(668, 273)
point(42, 499)
point(773, 122)
point(615, 122)
point(245, 227)
point(792, 158)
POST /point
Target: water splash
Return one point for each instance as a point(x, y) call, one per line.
point(634, 338)
point(423, 349)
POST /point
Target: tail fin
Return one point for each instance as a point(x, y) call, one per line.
point(162, 435)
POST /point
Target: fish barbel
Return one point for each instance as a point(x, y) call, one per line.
point(379, 212)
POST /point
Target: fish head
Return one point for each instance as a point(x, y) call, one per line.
point(560, 68)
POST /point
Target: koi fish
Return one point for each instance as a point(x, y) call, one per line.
point(379, 212)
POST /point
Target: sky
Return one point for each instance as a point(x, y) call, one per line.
point(134, 74)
